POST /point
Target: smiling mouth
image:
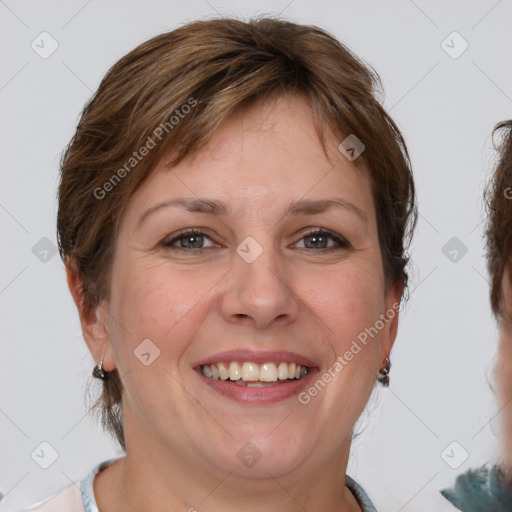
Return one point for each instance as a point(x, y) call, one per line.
point(251, 374)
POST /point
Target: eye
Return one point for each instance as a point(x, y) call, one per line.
point(319, 239)
point(188, 239)
point(194, 239)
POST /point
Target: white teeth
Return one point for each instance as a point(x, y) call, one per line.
point(282, 371)
point(268, 372)
point(223, 371)
point(249, 372)
point(234, 371)
point(253, 384)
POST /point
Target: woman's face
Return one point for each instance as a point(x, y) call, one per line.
point(256, 289)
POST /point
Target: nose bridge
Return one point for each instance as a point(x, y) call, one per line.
point(259, 287)
point(259, 266)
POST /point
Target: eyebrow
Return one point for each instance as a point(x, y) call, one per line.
point(219, 208)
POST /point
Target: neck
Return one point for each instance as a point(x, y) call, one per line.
point(150, 478)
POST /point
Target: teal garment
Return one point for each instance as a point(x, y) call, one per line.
point(89, 501)
point(86, 485)
point(480, 490)
point(361, 497)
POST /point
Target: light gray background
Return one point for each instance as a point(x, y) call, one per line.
point(443, 357)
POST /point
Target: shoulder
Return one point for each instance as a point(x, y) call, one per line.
point(69, 499)
point(480, 489)
point(75, 497)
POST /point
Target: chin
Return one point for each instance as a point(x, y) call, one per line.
point(276, 455)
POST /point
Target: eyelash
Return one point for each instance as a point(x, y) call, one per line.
point(342, 242)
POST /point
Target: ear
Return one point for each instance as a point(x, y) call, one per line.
point(94, 323)
point(392, 305)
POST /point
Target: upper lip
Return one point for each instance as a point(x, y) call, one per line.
point(260, 357)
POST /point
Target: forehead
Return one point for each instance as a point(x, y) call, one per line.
point(263, 156)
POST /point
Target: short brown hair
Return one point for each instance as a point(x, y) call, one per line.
point(216, 67)
point(499, 217)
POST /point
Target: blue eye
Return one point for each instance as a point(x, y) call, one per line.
point(320, 239)
point(189, 239)
point(194, 239)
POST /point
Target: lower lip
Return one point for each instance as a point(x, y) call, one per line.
point(257, 395)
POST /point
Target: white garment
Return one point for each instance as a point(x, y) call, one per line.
point(73, 498)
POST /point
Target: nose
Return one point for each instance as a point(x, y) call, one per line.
point(261, 293)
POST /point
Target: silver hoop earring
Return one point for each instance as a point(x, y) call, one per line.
point(98, 372)
point(383, 377)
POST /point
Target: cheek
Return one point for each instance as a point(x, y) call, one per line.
point(156, 302)
point(350, 309)
point(350, 302)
